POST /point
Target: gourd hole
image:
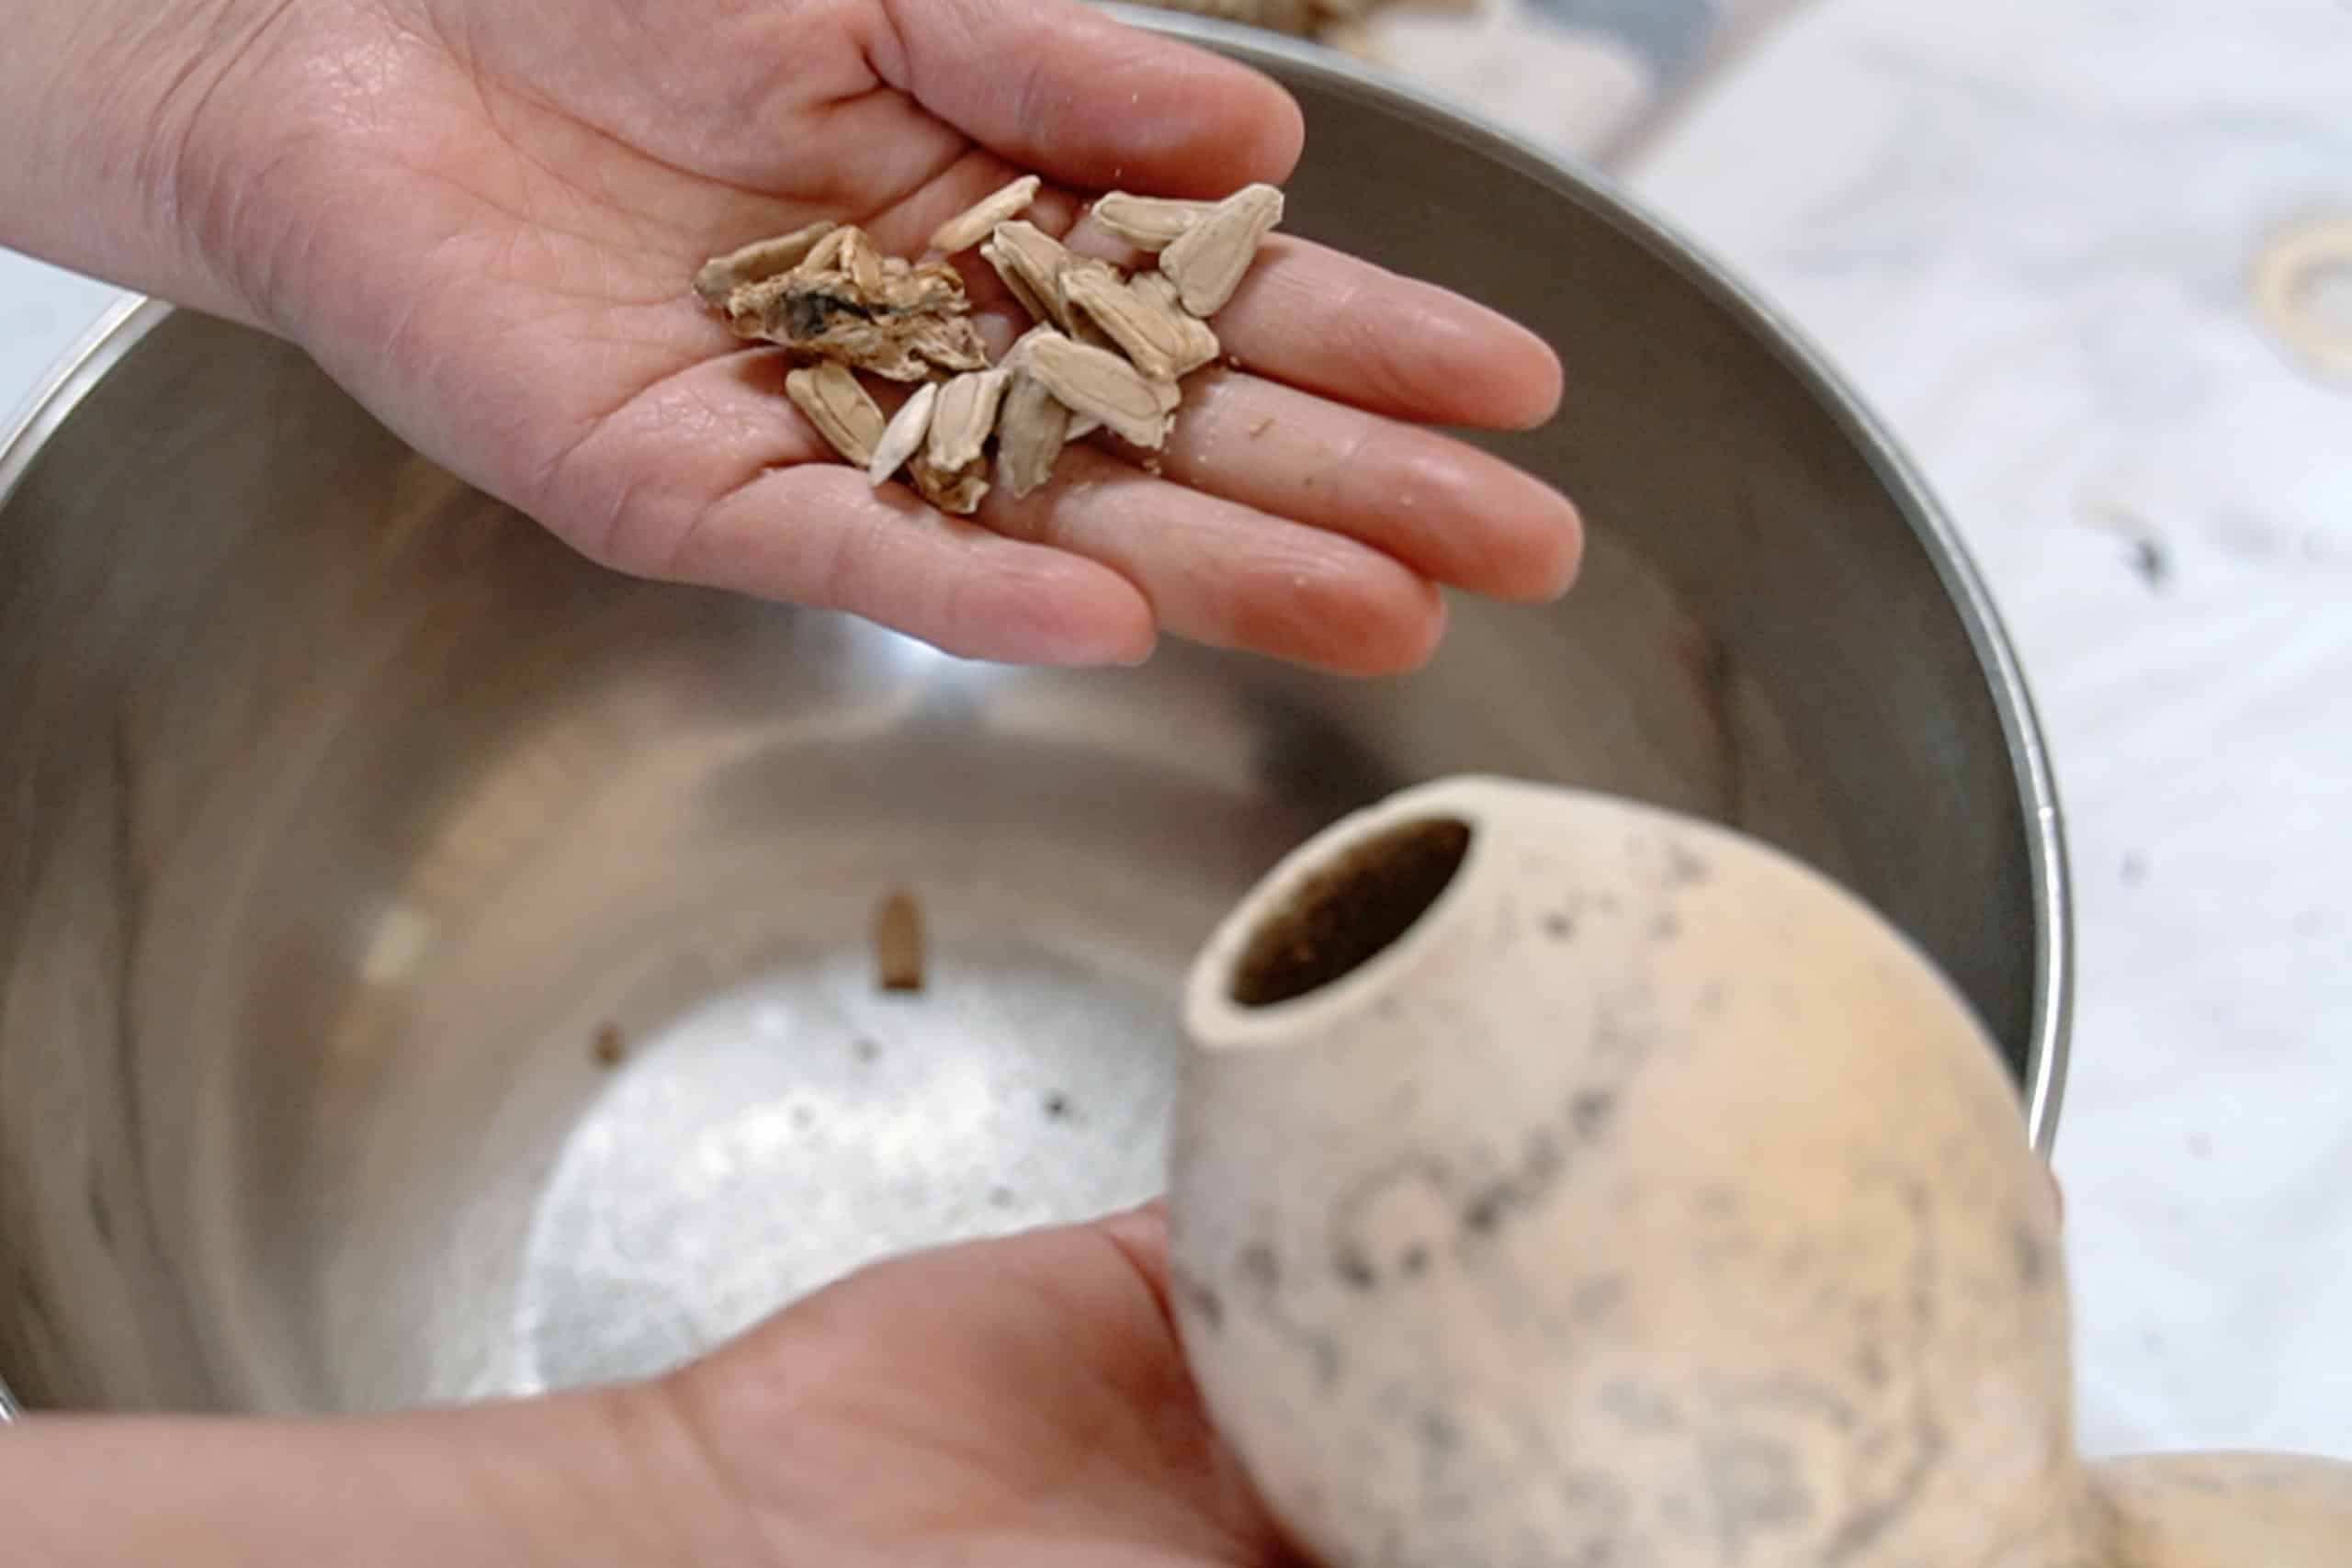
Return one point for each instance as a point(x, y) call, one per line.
point(1343, 915)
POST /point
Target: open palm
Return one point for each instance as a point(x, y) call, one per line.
point(1021, 1402)
point(480, 216)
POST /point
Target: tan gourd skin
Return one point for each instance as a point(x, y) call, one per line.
point(1649, 1202)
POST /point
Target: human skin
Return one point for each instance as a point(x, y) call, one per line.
point(1019, 1401)
point(480, 217)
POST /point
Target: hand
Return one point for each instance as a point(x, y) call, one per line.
point(479, 216)
point(1021, 1402)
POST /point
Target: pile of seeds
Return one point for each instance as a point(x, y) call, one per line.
point(1107, 352)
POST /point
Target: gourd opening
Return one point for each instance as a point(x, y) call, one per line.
point(1343, 915)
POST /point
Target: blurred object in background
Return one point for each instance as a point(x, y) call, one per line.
point(1592, 78)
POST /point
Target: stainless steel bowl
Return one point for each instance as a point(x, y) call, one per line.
point(353, 827)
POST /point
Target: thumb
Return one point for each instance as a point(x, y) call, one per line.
point(1059, 87)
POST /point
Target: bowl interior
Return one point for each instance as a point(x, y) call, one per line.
point(431, 965)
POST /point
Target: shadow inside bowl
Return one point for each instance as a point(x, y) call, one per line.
point(431, 965)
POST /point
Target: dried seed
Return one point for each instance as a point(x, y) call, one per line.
point(904, 328)
point(976, 222)
point(902, 437)
point(1144, 318)
point(826, 257)
point(1029, 436)
point(962, 418)
point(842, 411)
point(862, 261)
point(1147, 223)
point(1094, 381)
point(957, 491)
point(757, 261)
point(1033, 264)
point(1018, 354)
point(1207, 261)
point(999, 255)
point(898, 944)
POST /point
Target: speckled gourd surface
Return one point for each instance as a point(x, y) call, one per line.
point(1562, 1181)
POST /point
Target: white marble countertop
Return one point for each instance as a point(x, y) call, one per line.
point(2030, 229)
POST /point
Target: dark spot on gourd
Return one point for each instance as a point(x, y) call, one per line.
point(1869, 1521)
point(1483, 1214)
point(1684, 867)
point(1870, 1365)
point(1258, 1268)
point(1206, 1305)
point(1056, 1106)
point(1353, 1268)
point(803, 1116)
point(1001, 1197)
point(1415, 1262)
point(1589, 1111)
point(1666, 927)
point(1325, 1352)
point(1594, 1299)
point(1437, 1435)
point(1559, 927)
point(1755, 1487)
point(2032, 1260)
point(865, 1050)
point(1639, 1407)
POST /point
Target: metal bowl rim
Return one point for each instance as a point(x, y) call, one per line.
point(132, 317)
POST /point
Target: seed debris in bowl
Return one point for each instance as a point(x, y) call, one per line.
point(1109, 350)
point(898, 944)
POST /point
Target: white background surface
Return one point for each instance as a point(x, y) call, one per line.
point(2027, 229)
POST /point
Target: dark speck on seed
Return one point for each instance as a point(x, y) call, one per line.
point(607, 1046)
point(1057, 1106)
point(1558, 927)
point(803, 1116)
point(865, 1050)
point(1001, 1197)
point(1415, 1261)
point(1666, 927)
point(1354, 1269)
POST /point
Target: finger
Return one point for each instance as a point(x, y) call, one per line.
point(1448, 511)
point(1228, 575)
point(1327, 323)
point(1057, 86)
point(817, 534)
point(712, 477)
